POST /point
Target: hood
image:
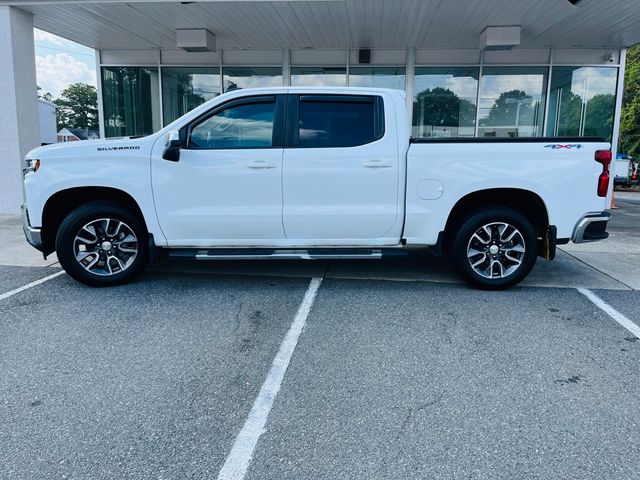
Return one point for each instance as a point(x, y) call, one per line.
point(89, 146)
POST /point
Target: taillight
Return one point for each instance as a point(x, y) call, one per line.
point(603, 184)
point(603, 157)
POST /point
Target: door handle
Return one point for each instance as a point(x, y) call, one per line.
point(261, 165)
point(376, 164)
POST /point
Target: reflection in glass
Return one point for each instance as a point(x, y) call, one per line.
point(131, 100)
point(318, 76)
point(244, 126)
point(251, 77)
point(582, 102)
point(512, 101)
point(444, 103)
point(378, 77)
point(328, 124)
point(183, 89)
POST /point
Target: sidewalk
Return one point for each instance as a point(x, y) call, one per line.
point(14, 249)
point(619, 255)
point(633, 197)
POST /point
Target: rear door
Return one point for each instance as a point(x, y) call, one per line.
point(341, 171)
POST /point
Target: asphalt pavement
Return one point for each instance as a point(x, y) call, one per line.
point(438, 381)
point(151, 380)
point(398, 371)
point(389, 380)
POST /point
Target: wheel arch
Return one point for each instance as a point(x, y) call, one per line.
point(527, 203)
point(63, 202)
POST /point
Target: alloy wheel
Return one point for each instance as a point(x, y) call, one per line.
point(496, 250)
point(105, 246)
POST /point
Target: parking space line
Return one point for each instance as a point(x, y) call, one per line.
point(612, 312)
point(629, 287)
point(237, 462)
point(30, 285)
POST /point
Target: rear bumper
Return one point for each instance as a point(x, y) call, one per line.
point(591, 228)
point(33, 235)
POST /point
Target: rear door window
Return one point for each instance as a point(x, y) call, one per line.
point(332, 121)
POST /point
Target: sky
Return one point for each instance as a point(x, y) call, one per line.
point(61, 62)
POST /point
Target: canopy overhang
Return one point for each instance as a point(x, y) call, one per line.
point(327, 24)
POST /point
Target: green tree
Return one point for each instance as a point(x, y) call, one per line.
point(599, 116)
point(77, 107)
point(630, 122)
point(570, 112)
point(440, 107)
point(511, 107)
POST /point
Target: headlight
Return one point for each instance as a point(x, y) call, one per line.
point(32, 165)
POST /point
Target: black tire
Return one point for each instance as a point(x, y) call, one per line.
point(464, 240)
point(73, 224)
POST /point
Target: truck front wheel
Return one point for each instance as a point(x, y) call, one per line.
point(102, 244)
point(494, 248)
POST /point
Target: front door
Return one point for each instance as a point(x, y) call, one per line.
point(341, 171)
point(226, 188)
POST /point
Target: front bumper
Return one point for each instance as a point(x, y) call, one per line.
point(591, 228)
point(33, 235)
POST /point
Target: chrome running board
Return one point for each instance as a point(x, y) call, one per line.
point(278, 254)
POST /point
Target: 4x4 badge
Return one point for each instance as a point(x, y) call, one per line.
point(559, 146)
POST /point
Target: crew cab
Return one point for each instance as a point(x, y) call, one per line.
point(312, 173)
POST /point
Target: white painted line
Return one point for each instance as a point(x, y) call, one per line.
point(612, 312)
point(32, 284)
point(236, 465)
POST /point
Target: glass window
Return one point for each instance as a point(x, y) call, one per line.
point(131, 99)
point(318, 76)
point(249, 125)
point(444, 103)
point(378, 77)
point(512, 101)
point(328, 122)
point(251, 77)
point(183, 89)
point(582, 102)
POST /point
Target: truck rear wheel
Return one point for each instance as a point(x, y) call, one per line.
point(102, 244)
point(494, 248)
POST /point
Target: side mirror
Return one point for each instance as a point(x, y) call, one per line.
point(173, 146)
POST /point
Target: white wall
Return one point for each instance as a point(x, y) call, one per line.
point(47, 114)
point(19, 122)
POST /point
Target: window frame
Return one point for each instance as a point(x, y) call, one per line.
point(552, 121)
point(475, 73)
point(104, 94)
point(514, 71)
point(277, 138)
point(292, 135)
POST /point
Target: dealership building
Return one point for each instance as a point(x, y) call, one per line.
point(482, 68)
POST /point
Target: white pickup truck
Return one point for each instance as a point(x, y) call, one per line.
point(312, 173)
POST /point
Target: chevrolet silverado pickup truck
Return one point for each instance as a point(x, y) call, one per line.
point(312, 173)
